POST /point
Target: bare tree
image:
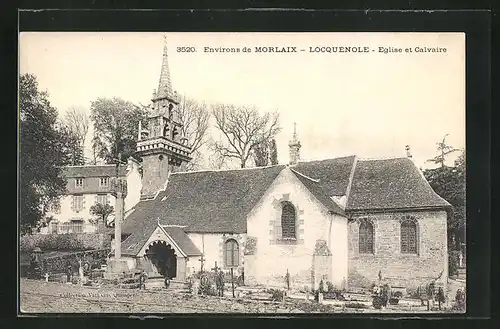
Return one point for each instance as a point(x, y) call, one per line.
point(76, 122)
point(194, 117)
point(243, 128)
point(216, 160)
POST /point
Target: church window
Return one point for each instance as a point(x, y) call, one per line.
point(288, 219)
point(79, 182)
point(408, 236)
point(231, 253)
point(366, 237)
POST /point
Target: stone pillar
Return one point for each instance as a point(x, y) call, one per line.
point(181, 269)
point(118, 224)
point(117, 266)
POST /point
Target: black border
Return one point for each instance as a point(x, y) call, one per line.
point(476, 24)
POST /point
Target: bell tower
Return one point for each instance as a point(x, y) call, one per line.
point(294, 147)
point(160, 142)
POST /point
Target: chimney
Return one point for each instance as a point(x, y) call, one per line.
point(408, 154)
point(294, 147)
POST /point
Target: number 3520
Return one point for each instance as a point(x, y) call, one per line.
point(186, 49)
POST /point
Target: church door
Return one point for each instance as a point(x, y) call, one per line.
point(163, 258)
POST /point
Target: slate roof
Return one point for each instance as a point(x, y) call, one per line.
point(204, 201)
point(219, 201)
point(138, 226)
point(391, 184)
point(183, 241)
point(92, 171)
point(208, 201)
point(333, 173)
point(320, 193)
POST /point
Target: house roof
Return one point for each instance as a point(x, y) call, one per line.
point(333, 173)
point(320, 193)
point(92, 171)
point(391, 184)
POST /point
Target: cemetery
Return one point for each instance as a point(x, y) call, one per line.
point(83, 284)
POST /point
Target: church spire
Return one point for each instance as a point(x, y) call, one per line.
point(294, 147)
point(165, 85)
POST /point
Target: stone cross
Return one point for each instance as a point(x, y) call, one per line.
point(46, 277)
point(202, 260)
point(215, 268)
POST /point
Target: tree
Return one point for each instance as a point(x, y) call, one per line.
point(443, 150)
point(76, 122)
point(71, 147)
point(273, 152)
point(194, 117)
point(243, 129)
point(102, 211)
point(41, 154)
point(115, 127)
point(261, 154)
point(266, 153)
point(449, 183)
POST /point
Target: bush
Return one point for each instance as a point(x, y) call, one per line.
point(413, 293)
point(453, 262)
point(356, 305)
point(70, 241)
point(276, 294)
point(332, 292)
point(398, 295)
point(459, 301)
point(59, 264)
point(207, 284)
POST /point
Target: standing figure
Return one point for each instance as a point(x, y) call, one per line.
point(219, 283)
point(80, 272)
point(142, 280)
point(68, 273)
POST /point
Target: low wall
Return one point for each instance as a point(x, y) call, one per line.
point(69, 241)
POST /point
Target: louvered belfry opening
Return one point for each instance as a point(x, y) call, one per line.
point(288, 221)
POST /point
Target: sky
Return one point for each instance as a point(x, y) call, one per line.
point(370, 104)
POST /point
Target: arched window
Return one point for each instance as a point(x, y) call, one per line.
point(288, 219)
point(366, 237)
point(408, 236)
point(231, 253)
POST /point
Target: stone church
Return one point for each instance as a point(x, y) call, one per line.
point(344, 220)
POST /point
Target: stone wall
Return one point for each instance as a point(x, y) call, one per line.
point(273, 256)
point(211, 246)
point(409, 270)
point(155, 169)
